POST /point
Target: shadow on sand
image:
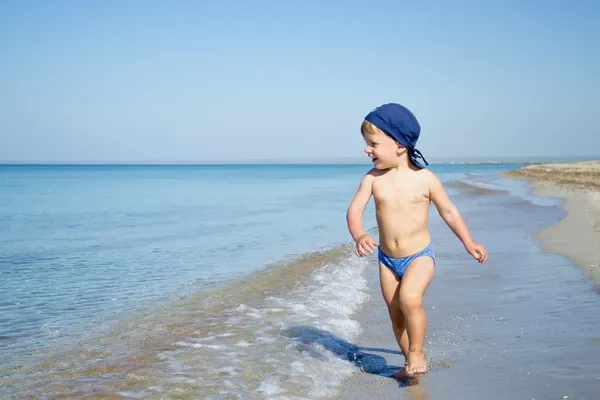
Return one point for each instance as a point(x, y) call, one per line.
point(362, 357)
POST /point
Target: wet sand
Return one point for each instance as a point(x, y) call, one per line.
point(577, 236)
point(522, 326)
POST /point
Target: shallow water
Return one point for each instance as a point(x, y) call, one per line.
point(82, 246)
point(239, 339)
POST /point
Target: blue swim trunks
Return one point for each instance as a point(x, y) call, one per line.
point(399, 265)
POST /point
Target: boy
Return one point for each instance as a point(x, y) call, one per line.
point(402, 189)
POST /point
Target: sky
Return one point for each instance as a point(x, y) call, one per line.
point(253, 81)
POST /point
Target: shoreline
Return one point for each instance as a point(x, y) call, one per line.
point(577, 235)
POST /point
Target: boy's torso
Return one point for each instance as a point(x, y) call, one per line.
point(402, 208)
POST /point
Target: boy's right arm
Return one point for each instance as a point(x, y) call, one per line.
point(364, 244)
point(454, 220)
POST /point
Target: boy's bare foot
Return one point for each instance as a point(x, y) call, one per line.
point(401, 374)
point(416, 363)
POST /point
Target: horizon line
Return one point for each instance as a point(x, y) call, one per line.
point(275, 161)
point(307, 161)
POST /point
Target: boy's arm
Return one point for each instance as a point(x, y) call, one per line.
point(364, 244)
point(454, 219)
point(357, 207)
point(448, 210)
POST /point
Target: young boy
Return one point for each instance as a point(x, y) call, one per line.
point(403, 189)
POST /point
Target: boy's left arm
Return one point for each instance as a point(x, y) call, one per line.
point(454, 220)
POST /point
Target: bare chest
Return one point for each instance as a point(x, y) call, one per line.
point(399, 193)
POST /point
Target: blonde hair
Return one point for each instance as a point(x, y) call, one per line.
point(368, 128)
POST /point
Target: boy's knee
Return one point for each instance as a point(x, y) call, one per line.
point(396, 316)
point(410, 301)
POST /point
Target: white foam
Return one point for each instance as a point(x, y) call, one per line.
point(227, 370)
point(201, 345)
point(289, 398)
point(274, 310)
point(266, 339)
point(522, 189)
point(477, 185)
point(307, 363)
point(204, 339)
point(269, 386)
point(134, 395)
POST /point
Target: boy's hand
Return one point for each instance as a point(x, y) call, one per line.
point(364, 245)
point(477, 251)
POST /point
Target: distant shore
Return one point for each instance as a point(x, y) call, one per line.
point(581, 175)
point(294, 161)
point(577, 236)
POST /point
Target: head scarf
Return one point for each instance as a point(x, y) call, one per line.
point(400, 124)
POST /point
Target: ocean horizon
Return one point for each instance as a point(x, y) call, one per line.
point(309, 161)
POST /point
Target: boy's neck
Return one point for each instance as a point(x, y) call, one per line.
point(404, 163)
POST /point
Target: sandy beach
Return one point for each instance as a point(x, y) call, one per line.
point(501, 329)
point(577, 236)
point(582, 175)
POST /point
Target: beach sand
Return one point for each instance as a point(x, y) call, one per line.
point(523, 325)
point(577, 236)
point(581, 175)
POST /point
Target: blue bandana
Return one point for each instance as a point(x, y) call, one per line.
point(400, 124)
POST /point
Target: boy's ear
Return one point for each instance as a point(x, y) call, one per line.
point(399, 148)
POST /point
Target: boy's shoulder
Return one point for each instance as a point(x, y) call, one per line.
point(374, 173)
point(427, 177)
point(426, 174)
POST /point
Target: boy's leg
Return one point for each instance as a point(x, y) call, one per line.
point(390, 288)
point(415, 282)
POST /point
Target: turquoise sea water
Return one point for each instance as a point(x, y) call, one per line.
point(80, 244)
point(86, 248)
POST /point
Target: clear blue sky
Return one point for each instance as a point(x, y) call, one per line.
point(221, 80)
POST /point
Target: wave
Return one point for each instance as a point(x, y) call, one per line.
point(230, 341)
point(475, 187)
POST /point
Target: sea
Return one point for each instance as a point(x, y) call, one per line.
point(195, 281)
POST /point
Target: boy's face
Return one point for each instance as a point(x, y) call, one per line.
point(383, 150)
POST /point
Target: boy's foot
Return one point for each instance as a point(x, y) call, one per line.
point(401, 374)
point(416, 363)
